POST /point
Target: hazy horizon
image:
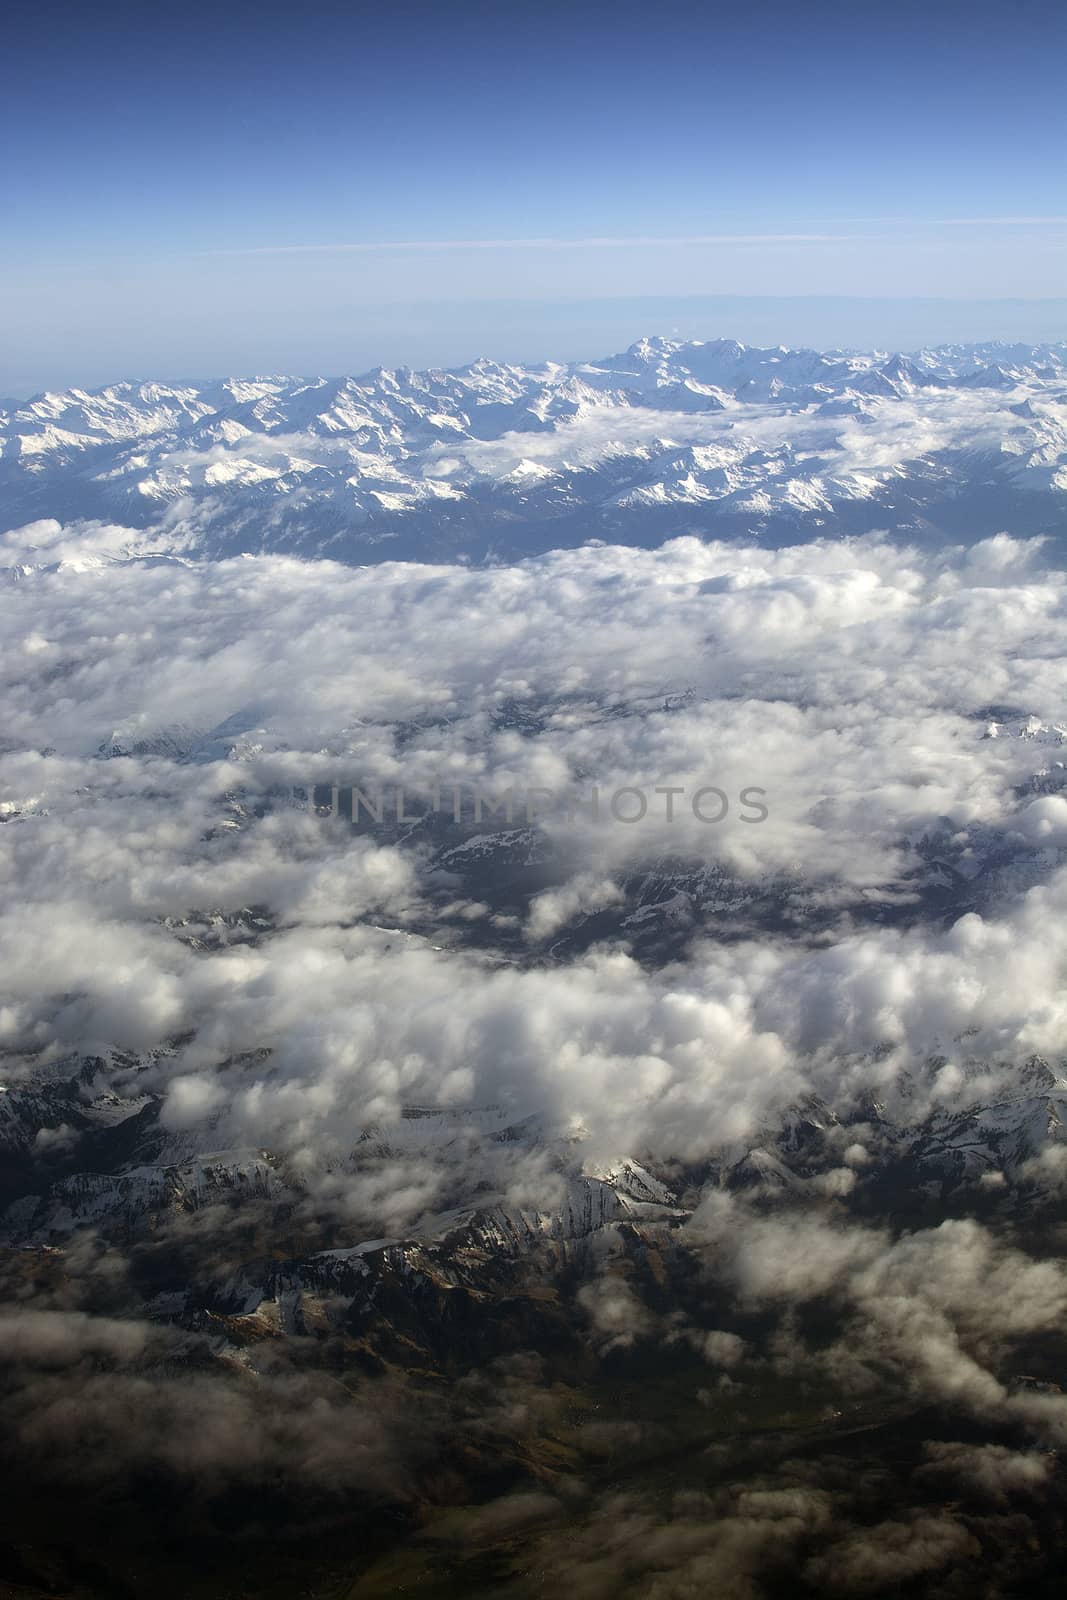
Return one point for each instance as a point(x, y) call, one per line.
point(206, 194)
point(529, 332)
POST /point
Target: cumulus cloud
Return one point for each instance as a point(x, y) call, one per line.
point(891, 1553)
point(992, 1470)
point(173, 890)
point(64, 1338)
point(944, 1307)
point(616, 1314)
point(554, 908)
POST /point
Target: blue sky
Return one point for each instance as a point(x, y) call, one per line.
point(190, 190)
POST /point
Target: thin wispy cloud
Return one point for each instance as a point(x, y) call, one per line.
point(625, 242)
point(961, 222)
point(368, 246)
point(999, 222)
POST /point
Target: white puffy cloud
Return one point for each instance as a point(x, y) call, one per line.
point(148, 898)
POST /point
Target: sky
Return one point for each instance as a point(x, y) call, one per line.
point(191, 190)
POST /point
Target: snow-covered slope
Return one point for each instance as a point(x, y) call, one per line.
point(663, 438)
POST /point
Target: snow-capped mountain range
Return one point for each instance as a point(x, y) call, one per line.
point(131, 1174)
point(504, 460)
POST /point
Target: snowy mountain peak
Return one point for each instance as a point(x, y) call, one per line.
point(707, 436)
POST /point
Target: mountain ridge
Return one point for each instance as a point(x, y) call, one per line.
point(504, 459)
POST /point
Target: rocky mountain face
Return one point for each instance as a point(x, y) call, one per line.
point(85, 1146)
